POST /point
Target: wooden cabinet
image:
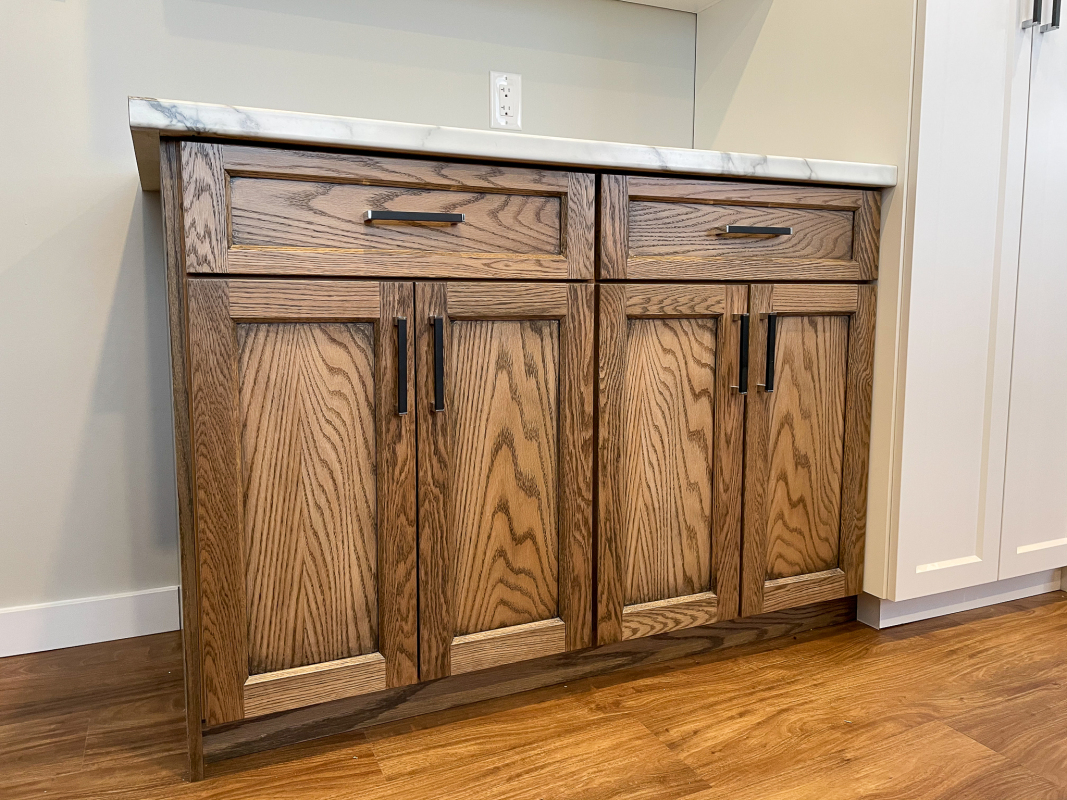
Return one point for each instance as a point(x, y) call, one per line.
point(670, 451)
point(505, 472)
point(304, 492)
point(389, 470)
point(807, 430)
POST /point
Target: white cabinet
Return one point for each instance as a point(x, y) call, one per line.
point(969, 146)
point(1034, 533)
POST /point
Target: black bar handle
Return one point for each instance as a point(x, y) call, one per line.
point(1037, 16)
point(401, 365)
point(438, 363)
point(756, 230)
point(412, 216)
point(742, 371)
point(1055, 24)
point(772, 333)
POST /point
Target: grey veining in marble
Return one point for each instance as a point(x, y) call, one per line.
point(150, 117)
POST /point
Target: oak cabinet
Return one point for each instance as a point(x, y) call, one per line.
point(419, 437)
point(505, 472)
point(304, 492)
point(807, 430)
point(670, 453)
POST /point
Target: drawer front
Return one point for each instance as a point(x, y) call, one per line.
point(688, 229)
point(260, 210)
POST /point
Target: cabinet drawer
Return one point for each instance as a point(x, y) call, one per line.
point(259, 210)
point(688, 229)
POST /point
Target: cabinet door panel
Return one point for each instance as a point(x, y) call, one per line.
point(670, 458)
point(806, 444)
point(505, 491)
point(305, 492)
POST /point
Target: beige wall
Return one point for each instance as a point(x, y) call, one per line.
point(823, 79)
point(86, 454)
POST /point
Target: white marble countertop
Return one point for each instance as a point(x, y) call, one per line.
point(149, 118)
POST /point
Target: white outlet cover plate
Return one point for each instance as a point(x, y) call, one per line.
point(510, 119)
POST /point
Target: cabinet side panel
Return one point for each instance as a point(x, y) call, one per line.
point(170, 190)
point(397, 524)
point(668, 446)
point(806, 442)
point(503, 400)
point(219, 527)
point(308, 466)
point(577, 370)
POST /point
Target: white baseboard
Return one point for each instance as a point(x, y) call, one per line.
point(69, 623)
point(879, 613)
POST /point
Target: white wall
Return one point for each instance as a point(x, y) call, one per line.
point(87, 502)
point(824, 79)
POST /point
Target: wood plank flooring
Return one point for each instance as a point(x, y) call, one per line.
point(973, 705)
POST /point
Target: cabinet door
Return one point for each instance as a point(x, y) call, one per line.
point(670, 451)
point(305, 491)
point(505, 402)
point(1034, 535)
point(807, 434)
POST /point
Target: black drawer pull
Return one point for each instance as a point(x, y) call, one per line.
point(401, 365)
point(742, 369)
point(438, 363)
point(755, 230)
point(772, 333)
point(413, 216)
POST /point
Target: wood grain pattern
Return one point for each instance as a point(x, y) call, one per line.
point(664, 466)
point(436, 568)
point(611, 375)
point(704, 190)
point(800, 299)
point(580, 225)
point(316, 683)
point(669, 393)
point(170, 190)
point(806, 444)
point(307, 399)
point(307, 301)
point(356, 713)
point(614, 230)
point(503, 398)
point(673, 613)
point(857, 447)
point(804, 589)
point(397, 264)
point(270, 213)
point(577, 443)
point(729, 462)
point(866, 237)
point(204, 213)
point(379, 169)
point(740, 267)
point(651, 300)
point(508, 301)
point(219, 502)
point(689, 229)
point(493, 648)
point(398, 613)
point(805, 503)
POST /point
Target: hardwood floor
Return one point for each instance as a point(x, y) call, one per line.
point(973, 705)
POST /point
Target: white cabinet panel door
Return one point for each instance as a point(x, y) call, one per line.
point(1034, 534)
point(968, 181)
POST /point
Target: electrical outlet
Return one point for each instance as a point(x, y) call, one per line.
point(505, 100)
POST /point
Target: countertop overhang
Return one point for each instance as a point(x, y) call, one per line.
point(150, 118)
